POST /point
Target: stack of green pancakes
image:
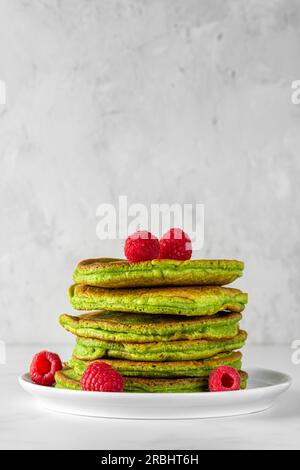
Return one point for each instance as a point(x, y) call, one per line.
point(165, 325)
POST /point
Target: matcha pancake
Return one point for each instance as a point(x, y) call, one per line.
point(70, 380)
point(169, 300)
point(144, 328)
point(88, 349)
point(200, 368)
point(116, 273)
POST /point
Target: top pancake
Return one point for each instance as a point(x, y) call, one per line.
point(116, 273)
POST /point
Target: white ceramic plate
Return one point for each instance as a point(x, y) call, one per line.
point(264, 388)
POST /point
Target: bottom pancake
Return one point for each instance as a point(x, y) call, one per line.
point(68, 379)
point(200, 368)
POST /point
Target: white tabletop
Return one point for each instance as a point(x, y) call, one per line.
point(24, 426)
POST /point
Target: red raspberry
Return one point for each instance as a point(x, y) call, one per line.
point(224, 379)
point(43, 367)
point(175, 244)
point(141, 246)
point(101, 377)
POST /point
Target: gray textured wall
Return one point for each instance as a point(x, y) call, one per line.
point(163, 101)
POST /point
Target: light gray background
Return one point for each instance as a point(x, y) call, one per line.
point(163, 101)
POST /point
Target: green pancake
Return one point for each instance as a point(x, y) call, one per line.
point(188, 301)
point(68, 379)
point(88, 349)
point(116, 273)
point(144, 328)
point(200, 368)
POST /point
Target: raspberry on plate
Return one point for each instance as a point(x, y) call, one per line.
point(175, 244)
point(224, 379)
point(43, 367)
point(141, 246)
point(101, 377)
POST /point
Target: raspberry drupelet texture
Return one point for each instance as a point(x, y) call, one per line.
point(175, 244)
point(43, 367)
point(141, 246)
point(224, 379)
point(101, 377)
